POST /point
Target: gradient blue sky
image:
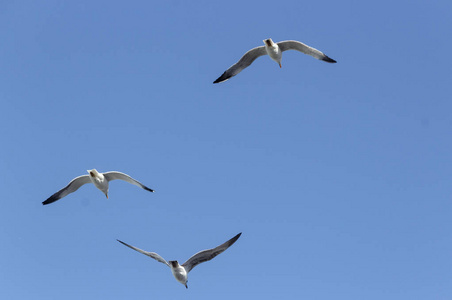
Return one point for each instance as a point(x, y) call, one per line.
point(338, 175)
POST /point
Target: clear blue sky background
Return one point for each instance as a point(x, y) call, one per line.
point(338, 175)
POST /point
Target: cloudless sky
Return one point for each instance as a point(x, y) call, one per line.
point(338, 175)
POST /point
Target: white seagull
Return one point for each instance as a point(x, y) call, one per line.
point(100, 180)
point(274, 50)
point(180, 272)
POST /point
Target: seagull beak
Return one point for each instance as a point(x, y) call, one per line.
point(280, 65)
point(106, 195)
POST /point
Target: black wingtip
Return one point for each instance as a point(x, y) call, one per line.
point(222, 78)
point(122, 242)
point(148, 189)
point(328, 59)
point(48, 201)
point(235, 238)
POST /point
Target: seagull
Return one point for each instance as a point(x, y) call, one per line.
point(180, 272)
point(274, 50)
point(100, 180)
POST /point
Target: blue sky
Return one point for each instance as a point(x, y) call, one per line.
point(338, 175)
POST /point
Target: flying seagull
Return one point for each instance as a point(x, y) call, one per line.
point(274, 50)
point(180, 272)
point(100, 180)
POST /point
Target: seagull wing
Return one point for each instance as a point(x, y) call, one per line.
point(299, 46)
point(244, 62)
point(118, 175)
point(206, 255)
point(70, 188)
point(150, 254)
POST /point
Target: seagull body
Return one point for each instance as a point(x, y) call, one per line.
point(100, 180)
point(180, 272)
point(274, 50)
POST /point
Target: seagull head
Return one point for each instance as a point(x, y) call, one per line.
point(93, 173)
point(269, 42)
point(173, 263)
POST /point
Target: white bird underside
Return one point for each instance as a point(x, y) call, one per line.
point(193, 261)
point(77, 182)
point(254, 53)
